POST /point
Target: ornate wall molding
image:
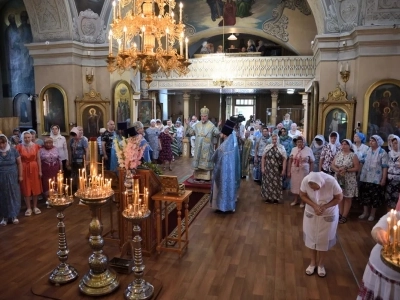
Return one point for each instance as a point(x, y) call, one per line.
point(382, 12)
point(278, 28)
point(342, 15)
point(49, 20)
point(89, 28)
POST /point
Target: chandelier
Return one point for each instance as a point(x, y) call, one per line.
point(158, 35)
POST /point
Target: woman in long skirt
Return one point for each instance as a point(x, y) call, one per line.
point(165, 141)
point(273, 168)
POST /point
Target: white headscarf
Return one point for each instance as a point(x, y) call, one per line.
point(55, 136)
point(279, 146)
point(371, 160)
point(394, 154)
point(318, 179)
point(336, 145)
point(314, 142)
point(7, 146)
point(23, 140)
point(349, 142)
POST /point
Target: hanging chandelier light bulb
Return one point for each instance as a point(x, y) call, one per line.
point(158, 34)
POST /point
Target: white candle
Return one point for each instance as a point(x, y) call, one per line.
point(92, 71)
point(187, 42)
point(110, 42)
point(70, 182)
point(341, 67)
point(347, 66)
point(119, 45)
point(124, 39)
point(394, 237)
point(180, 12)
point(388, 228)
point(113, 4)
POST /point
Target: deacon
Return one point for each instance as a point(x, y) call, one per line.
point(204, 148)
point(226, 173)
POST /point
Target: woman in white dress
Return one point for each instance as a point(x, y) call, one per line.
point(322, 194)
point(379, 281)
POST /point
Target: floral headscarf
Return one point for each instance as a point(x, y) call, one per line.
point(7, 146)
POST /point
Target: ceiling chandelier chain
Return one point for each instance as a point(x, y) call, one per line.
point(158, 34)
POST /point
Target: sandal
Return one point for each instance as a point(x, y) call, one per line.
point(342, 220)
point(302, 205)
point(321, 271)
point(28, 213)
point(37, 211)
point(363, 216)
point(310, 270)
point(3, 222)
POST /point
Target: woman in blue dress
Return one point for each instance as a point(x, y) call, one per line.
point(10, 173)
point(152, 134)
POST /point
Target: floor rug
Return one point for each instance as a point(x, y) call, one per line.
point(197, 185)
point(197, 202)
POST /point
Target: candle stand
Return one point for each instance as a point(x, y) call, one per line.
point(390, 253)
point(64, 273)
point(139, 288)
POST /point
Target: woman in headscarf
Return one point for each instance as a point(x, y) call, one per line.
point(373, 177)
point(79, 153)
point(273, 168)
point(159, 125)
point(393, 185)
point(359, 147)
point(322, 194)
point(379, 280)
point(179, 135)
point(345, 165)
point(165, 140)
point(328, 153)
point(140, 130)
point(51, 164)
point(10, 174)
point(316, 146)
point(31, 185)
point(152, 134)
point(61, 144)
point(301, 161)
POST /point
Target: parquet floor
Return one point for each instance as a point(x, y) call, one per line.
point(255, 253)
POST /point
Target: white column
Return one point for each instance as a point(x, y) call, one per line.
point(196, 105)
point(186, 116)
point(274, 106)
point(186, 98)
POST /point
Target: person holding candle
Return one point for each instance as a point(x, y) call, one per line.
point(51, 164)
point(10, 174)
point(273, 168)
point(322, 194)
point(31, 185)
point(345, 165)
point(380, 281)
point(373, 177)
point(393, 186)
point(301, 161)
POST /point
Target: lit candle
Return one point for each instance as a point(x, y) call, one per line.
point(49, 184)
point(394, 237)
point(180, 12)
point(388, 229)
point(119, 45)
point(187, 42)
point(70, 182)
point(110, 42)
point(113, 4)
point(66, 190)
point(92, 71)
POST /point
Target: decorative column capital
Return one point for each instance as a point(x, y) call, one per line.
point(274, 94)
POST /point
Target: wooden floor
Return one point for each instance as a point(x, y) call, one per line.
point(255, 253)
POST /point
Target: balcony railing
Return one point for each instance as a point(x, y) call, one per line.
point(251, 71)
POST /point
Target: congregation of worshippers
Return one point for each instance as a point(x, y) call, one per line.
point(323, 176)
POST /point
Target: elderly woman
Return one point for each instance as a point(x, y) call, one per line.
point(165, 140)
point(345, 165)
point(140, 130)
point(293, 132)
point(316, 146)
point(393, 186)
point(301, 161)
point(31, 185)
point(373, 177)
point(359, 147)
point(379, 281)
point(273, 168)
point(328, 153)
point(78, 152)
point(152, 137)
point(10, 173)
point(322, 194)
point(51, 164)
point(61, 144)
point(287, 122)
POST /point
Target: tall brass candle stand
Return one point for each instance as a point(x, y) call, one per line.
point(139, 288)
point(95, 191)
point(64, 273)
point(100, 280)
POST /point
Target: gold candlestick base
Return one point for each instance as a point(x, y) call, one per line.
point(64, 273)
point(100, 280)
point(89, 78)
point(345, 75)
point(139, 288)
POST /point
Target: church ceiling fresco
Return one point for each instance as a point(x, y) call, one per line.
point(260, 15)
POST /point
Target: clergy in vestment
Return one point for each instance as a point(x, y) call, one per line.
point(204, 148)
point(247, 146)
point(226, 173)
